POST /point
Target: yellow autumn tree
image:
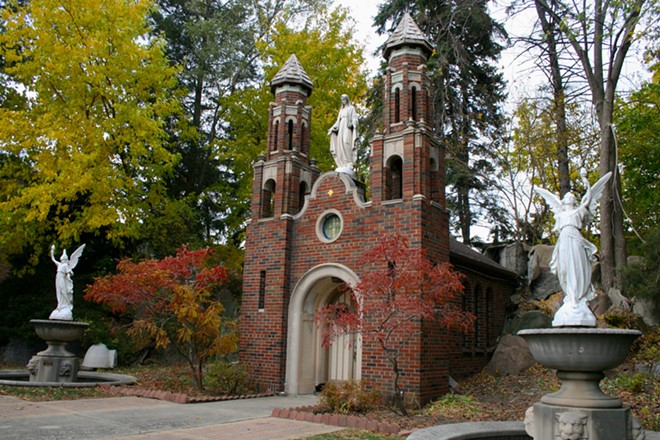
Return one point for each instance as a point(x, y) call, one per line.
point(88, 151)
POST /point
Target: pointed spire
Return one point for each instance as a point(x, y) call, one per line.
point(292, 73)
point(407, 33)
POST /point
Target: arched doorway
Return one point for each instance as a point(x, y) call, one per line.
point(308, 363)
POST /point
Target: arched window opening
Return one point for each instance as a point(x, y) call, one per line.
point(488, 321)
point(276, 134)
point(394, 176)
point(465, 307)
point(477, 341)
point(413, 103)
point(397, 106)
point(268, 199)
point(262, 290)
point(302, 192)
point(434, 184)
point(290, 134)
point(303, 138)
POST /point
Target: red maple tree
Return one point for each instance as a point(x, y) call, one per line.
point(397, 292)
point(171, 302)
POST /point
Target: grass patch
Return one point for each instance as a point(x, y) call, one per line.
point(45, 394)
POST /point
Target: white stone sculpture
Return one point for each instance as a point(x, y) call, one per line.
point(343, 137)
point(573, 254)
point(64, 283)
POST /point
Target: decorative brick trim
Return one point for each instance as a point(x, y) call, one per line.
point(304, 413)
point(175, 397)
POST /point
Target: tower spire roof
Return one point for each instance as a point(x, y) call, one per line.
point(407, 33)
point(292, 72)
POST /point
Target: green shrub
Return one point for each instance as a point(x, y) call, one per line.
point(619, 318)
point(348, 397)
point(630, 383)
point(456, 404)
point(227, 378)
point(648, 349)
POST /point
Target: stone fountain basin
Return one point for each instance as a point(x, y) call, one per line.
point(61, 331)
point(579, 349)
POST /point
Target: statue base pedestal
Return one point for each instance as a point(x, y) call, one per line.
point(56, 369)
point(345, 170)
point(574, 315)
point(553, 422)
point(56, 364)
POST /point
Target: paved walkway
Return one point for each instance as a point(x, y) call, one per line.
point(139, 418)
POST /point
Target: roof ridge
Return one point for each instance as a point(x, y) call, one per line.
point(292, 72)
point(407, 32)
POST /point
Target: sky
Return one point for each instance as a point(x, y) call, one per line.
point(520, 80)
point(363, 12)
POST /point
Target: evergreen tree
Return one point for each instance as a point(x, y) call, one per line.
point(468, 94)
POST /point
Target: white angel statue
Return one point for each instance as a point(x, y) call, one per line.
point(573, 254)
point(64, 283)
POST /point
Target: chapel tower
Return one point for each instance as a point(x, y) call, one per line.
point(285, 174)
point(282, 178)
point(407, 161)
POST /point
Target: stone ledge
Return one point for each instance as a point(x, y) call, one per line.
point(304, 413)
point(175, 397)
point(473, 430)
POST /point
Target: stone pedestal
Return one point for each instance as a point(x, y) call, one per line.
point(553, 422)
point(56, 364)
point(580, 410)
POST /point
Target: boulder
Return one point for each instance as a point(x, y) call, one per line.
point(539, 261)
point(514, 258)
point(511, 357)
point(527, 320)
point(544, 285)
point(618, 300)
point(648, 310)
point(600, 305)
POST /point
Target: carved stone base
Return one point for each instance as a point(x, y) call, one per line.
point(56, 369)
point(551, 422)
point(56, 364)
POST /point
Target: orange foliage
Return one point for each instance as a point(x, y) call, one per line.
point(171, 302)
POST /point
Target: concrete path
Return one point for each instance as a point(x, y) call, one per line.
point(139, 418)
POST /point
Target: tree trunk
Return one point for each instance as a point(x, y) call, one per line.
point(612, 243)
point(398, 395)
point(550, 30)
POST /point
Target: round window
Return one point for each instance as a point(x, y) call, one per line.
point(329, 226)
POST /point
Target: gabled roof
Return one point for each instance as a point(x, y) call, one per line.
point(292, 73)
point(463, 255)
point(407, 33)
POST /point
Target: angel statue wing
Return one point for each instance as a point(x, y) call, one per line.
point(73, 261)
point(597, 192)
point(551, 199)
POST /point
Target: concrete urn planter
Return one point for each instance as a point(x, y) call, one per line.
point(56, 363)
point(580, 355)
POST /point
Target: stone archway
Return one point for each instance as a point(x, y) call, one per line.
point(307, 362)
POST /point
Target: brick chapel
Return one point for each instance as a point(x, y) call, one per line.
point(309, 230)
